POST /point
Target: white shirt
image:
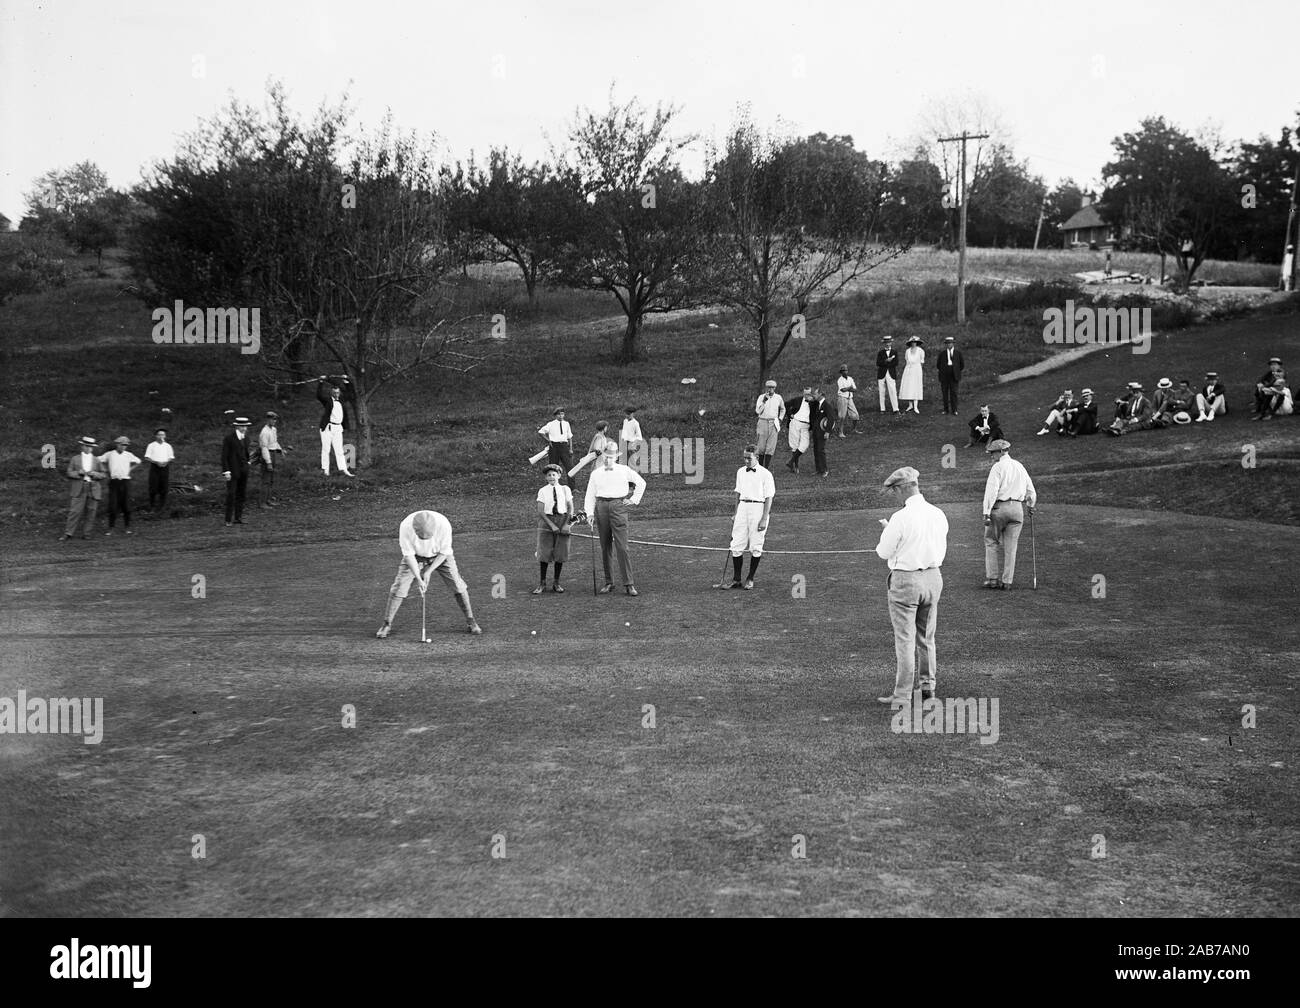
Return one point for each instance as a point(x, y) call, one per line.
point(159, 453)
point(1008, 480)
point(557, 499)
point(631, 431)
point(87, 462)
point(119, 464)
point(770, 410)
point(847, 385)
point(268, 441)
point(336, 412)
point(413, 545)
point(916, 536)
point(613, 483)
point(755, 486)
point(557, 431)
point(803, 412)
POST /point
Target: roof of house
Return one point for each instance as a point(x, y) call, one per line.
point(1086, 217)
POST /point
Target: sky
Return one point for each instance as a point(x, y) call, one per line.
point(117, 83)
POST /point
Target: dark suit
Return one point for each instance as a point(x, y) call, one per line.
point(887, 377)
point(822, 416)
point(949, 376)
point(994, 432)
point(1085, 419)
point(234, 460)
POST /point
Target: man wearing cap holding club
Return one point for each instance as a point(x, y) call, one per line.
point(1007, 493)
point(120, 464)
point(558, 435)
point(799, 411)
point(1264, 387)
point(770, 410)
point(1085, 417)
point(269, 454)
point(424, 537)
point(606, 507)
point(844, 405)
point(234, 469)
point(887, 374)
point(950, 365)
point(755, 489)
point(87, 474)
point(1212, 400)
point(914, 542)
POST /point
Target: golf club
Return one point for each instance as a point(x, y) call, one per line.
point(726, 557)
point(592, 527)
point(424, 595)
point(1033, 548)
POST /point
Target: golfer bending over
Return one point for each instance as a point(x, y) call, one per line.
point(425, 541)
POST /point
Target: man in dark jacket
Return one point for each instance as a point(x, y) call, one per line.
point(950, 367)
point(887, 374)
point(1085, 417)
point(820, 424)
point(234, 467)
point(984, 428)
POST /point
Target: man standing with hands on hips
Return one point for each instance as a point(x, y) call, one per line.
point(1007, 493)
point(914, 542)
point(606, 506)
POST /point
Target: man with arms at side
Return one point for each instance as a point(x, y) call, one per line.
point(914, 542)
point(87, 475)
point(234, 466)
point(160, 455)
point(606, 507)
point(1008, 491)
point(754, 491)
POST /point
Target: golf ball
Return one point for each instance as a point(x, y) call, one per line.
point(534, 633)
point(627, 624)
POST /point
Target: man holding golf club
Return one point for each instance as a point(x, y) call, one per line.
point(755, 489)
point(424, 538)
point(1007, 493)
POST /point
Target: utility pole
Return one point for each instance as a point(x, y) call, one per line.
point(961, 236)
point(1042, 210)
point(1289, 243)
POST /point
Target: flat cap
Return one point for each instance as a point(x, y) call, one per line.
point(557, 411)
point(272, 415)
point(123, 440)
point(1000, 444)
point(553, 468)
point(770, 383)
point(903, 476)
point(844, 367)
point(611, 449)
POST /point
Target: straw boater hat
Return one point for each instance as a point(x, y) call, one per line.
point(1164, 383)
point(243, 421)
point(87, 442)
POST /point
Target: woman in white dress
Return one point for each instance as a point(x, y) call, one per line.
point(909, 386)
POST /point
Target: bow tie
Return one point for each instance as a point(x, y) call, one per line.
point(749, 468)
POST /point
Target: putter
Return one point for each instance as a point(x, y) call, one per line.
point(1033, 549)
point(726, 557)
point(592, 529)
point(424, 595)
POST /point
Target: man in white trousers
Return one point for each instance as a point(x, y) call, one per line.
point(333, 422)
point(755, 489)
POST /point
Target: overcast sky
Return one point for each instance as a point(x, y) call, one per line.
point(115, 82)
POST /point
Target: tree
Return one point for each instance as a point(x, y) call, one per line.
point(1010, 199)
point(1173, 192)
point(1063, 202)
point(518, 210)
point(636, 232)
point(1263, 174)
point(795, 220)
point(29, 265)
point(914, 209)
point(338, 238)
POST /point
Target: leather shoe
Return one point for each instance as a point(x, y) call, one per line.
point(538, 590)
point(885, 699)
point(607, 589)
point(631, 590)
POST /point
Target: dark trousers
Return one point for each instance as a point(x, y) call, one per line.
point(819, 453)
point(236, 488)
point(158, 483)
point(119, 499)
point(611, 526)
point(558, 452)
point(948, 383)
point(267, 488)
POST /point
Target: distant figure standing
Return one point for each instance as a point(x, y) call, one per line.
point(606, 507)
point(234, 468)
point(887, 374)
point(87, 475)
point(770, 410)
point(914, 542)
point(120, 464)
point(160, 456)
point(950, 366)
point(1108, 262)
point(821, 424)
point(269, 454)
point(558, 435)
point(554, 513)
point(799, 412)
point(631, 434)
point(333, 422)
point(846, 409)
point(910, 387)
point(1007, 493)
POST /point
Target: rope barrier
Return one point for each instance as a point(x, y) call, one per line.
point(724, 549)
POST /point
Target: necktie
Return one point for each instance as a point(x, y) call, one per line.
point(749, 468)
point(555, 493)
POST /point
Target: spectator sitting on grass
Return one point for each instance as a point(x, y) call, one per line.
point(1085, 417)
point(1163, 403)
point(984, 428)
point(1264, 387)
point(1061, 414)
point(1134, 415)
point(1279, 401)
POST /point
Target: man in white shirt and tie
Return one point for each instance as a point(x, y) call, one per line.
point(914, 542)
point(1007, 492)
point(606, 506)
point(755, 489)
point(424, 538)
point(558, 435)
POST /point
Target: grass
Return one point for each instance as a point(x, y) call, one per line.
point(1119, 716)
